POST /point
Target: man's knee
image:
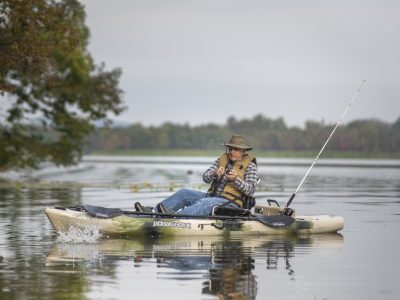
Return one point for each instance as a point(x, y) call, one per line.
point(193, 194)
point(183, 192)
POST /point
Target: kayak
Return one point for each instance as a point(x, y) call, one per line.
point(114, 222)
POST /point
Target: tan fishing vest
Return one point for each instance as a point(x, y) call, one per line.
point(230, 191)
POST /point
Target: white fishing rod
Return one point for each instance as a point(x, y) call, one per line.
point(287, 210)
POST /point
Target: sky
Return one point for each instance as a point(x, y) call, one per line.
point(199, 62)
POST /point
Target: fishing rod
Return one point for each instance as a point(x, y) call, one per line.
point(288, 211)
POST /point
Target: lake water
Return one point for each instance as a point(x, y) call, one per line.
point(362, 262)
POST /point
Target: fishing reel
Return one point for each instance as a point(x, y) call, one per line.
point(287, 211)
point(228, 170)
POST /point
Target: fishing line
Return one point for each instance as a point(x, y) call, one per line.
point(289, 211)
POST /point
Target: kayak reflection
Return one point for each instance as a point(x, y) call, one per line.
point(224, 266)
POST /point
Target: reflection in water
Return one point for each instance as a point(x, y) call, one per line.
point(230, 276)
point(225, 266)
point(282, 249)
point(23, 240)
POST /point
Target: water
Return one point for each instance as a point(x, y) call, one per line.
point(360, 263)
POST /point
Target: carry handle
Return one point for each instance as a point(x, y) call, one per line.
point(273, 201)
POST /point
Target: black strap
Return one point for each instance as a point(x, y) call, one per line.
point(102, 212)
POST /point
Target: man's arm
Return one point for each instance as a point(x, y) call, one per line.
point(248, 185)
point(210, 174)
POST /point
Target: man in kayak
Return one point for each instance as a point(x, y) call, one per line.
point(233, 178)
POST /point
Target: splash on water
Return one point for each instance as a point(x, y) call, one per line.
point(75, 235)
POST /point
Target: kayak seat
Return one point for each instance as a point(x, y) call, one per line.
point(230, 211)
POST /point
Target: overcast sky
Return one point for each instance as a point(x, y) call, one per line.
point(196, 62)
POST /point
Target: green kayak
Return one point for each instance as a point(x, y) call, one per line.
point(265, 220)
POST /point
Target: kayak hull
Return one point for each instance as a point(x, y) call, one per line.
point(136, 225)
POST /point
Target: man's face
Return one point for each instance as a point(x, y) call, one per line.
point(235, 154)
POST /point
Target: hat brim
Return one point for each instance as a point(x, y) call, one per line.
point(238, 146)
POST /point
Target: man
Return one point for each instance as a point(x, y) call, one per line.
point(233, 178)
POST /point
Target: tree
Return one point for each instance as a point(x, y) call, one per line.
point(51, 91)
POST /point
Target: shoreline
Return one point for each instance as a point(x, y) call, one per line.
point(262, 161)
point(327, 154)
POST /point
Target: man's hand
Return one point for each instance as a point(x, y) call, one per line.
point(232, 175)
point(220, 171)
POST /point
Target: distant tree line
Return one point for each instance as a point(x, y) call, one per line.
point(370, 136)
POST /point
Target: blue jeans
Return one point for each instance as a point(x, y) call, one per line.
point(191, 202)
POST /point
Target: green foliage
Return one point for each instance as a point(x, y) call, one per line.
point(371, 138)
point(51, 90)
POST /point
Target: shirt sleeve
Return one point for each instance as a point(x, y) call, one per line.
point(248, 185)
point(209, 174)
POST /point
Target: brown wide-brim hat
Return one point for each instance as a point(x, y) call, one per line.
point(237, 141)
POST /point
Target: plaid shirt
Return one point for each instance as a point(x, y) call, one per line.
point(246, 186)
